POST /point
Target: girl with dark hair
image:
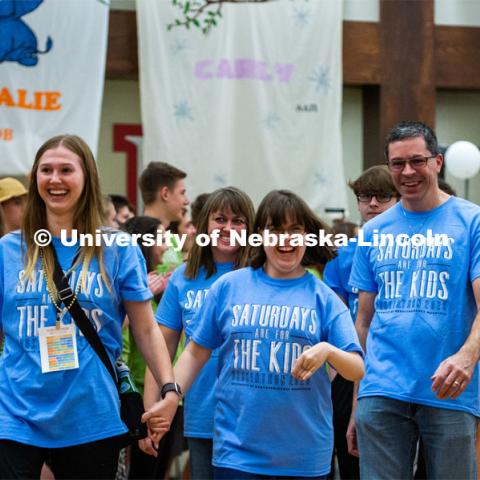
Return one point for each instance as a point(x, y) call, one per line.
point(275, 326)
point(57, 398)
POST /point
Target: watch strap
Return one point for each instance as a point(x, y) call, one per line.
point(172, 387)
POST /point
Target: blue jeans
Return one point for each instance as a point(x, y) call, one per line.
point(388, 432)
point(200, 458)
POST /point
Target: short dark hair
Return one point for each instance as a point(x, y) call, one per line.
point(410, 129)
point(119, 201)
point(197, 205)
point(144, 225)
point(276, 209)
point(156, 176)
point(349, 229)
point(375, 180)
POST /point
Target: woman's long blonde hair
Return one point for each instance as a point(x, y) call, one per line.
point(87, 217)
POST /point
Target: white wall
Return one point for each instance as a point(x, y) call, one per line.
point(361, 10)
point(447, 12)
point(352, 132)
point(458, 118)
point(457, 12)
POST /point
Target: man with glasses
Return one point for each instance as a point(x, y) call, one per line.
point(418, 306)
point(375, 193)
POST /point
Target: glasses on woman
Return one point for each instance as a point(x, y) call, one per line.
point(417, 162)
point(367, 197)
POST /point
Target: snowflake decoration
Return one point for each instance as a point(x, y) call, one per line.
point(301, 16)
point(271, 120)
point(220, 180)
point(320, 179)
point(178, 46)
point(321, 79)
point(182, 111)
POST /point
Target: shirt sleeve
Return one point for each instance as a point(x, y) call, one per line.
point(1, 285)
point(339, 329)
point(362, 276)
point(207, 333)
point(332, 278)
point(475, 248)
point(132, 275)
point(169, 312)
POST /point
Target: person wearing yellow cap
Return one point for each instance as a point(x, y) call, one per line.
point(12, 203)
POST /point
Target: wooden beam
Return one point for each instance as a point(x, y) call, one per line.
point(361, 53)
point(407, 90)
point(122, 50)
point(457, 53)
point(371, 126)
point(457, 57)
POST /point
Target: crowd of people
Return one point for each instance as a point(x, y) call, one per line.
point(267, 361)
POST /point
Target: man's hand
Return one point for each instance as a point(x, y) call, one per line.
point(352, 437)
point(453, 375)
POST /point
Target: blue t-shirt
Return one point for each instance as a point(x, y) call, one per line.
point(69, 407)
point(337, 274)
point(266, 421)
point(424, 308)
point(182, 299)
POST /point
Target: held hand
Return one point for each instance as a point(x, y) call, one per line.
point(352, 437)
point(453, 375)
point(310, 361)
point(160, 415)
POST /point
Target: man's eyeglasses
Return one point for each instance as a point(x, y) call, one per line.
point(417, 162)
point(367, 197)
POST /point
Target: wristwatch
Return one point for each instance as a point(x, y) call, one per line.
point(172, 387)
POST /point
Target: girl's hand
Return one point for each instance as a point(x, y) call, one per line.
point(310, 361)
point(157, 283)
point(147, 445)
point(160, 415)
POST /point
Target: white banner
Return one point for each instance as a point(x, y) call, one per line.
point(52, 69)
point(256, 103)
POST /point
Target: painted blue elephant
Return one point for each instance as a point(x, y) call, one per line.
point(18, 43)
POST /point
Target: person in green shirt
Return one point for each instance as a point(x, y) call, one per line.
point(142, 465)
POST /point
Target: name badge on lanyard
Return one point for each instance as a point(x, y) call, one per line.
point(58, 348)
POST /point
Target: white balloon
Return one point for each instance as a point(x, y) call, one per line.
point(463, 159)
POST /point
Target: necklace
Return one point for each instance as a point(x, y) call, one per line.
point(53, 293)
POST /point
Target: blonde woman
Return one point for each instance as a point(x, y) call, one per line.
point(57, 399)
